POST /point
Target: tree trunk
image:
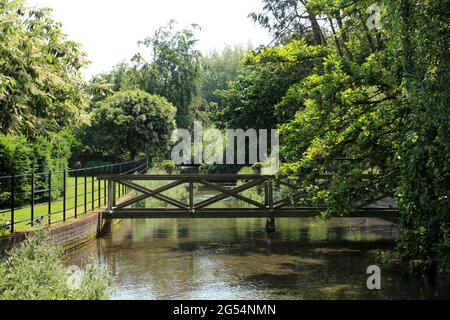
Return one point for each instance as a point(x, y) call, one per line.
point(317, 31)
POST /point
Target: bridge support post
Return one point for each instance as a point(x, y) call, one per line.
point(270, 225)
point(115, 193)
point(268, 192)
point(191, 197)
point(110, 195)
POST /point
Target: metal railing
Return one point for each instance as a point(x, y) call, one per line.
point(57, 196)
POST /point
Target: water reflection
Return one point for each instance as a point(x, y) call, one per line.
point(236, 259)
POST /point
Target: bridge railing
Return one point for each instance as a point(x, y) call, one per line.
point(57, 196)
point(266, 205)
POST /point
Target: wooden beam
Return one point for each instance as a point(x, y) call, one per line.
point(152, 193)
point(269, 209)
point(227, 194)
point(142, 213)
point(187, 177)
point(238, 196)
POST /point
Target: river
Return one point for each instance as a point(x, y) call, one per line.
point(236, 259)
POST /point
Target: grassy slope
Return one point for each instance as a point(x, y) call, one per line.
point(41, 209)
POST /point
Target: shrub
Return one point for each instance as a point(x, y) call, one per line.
point(246, 170)
point(257, 167)
point(4, 228)
point(168, 166)
point(35, 271)
point(19, 155)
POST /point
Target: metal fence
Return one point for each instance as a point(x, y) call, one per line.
point(58, 196)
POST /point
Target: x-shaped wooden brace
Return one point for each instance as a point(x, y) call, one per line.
point(230, 193)
point(147, 193)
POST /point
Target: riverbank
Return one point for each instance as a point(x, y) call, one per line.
point(70, 235)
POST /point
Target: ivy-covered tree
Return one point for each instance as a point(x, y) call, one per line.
point(363, 102)
point(422, 43)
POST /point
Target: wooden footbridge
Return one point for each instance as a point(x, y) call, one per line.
point(268, 205)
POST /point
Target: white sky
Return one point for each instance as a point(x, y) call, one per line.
point(110, 29)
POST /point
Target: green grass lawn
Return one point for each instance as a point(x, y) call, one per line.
point(22, 216)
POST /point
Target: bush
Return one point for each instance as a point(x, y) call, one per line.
point(168, 166)
point(4, 228)
point(35, 271)
point(257, 167)
point(246, 170)
point(19, 156)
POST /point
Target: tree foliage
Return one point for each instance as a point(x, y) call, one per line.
point(249, 101)
point(371, 111)
point(171, 70)
point(290, 19)
point(41, 89)
point(219, 69)
point(130, 123)
point(375, 115)
point(174, 68)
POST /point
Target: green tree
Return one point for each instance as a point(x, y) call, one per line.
point(290, 19)
point(41, 89)
point(123, 76)
point(375, 115)
point(173, 70)
point(422, 43)
point(129, 123)
point(250, 100)
point(219, 69)
point(366, 107)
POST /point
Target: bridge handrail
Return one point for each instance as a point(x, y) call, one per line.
point(186, 177)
